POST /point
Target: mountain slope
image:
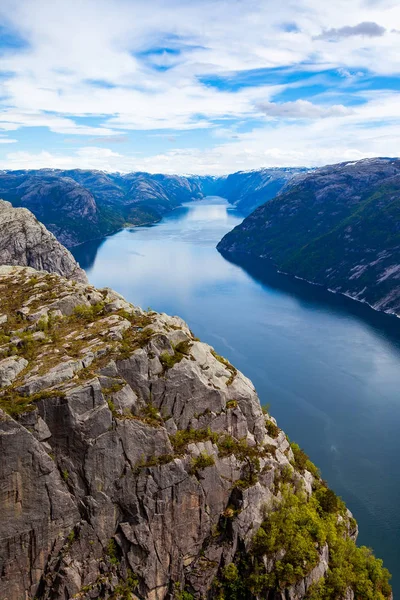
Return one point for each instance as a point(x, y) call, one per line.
point(26, 242)
point(81, 205)
point(337, 226)
point(249, 189)
point(137, 463)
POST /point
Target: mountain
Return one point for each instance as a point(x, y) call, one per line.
point(81, 205)
point(138, 463)
point(24, 241)
point(249, 189)
point(337, 226)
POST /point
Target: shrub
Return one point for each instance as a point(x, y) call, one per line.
point(272, 429)
point(112, 552)
point(302, 461)
point(88, 313)
point(183, 437)
point(201, 462)
point(231, 404)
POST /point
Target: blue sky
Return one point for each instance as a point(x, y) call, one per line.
point(197, 86)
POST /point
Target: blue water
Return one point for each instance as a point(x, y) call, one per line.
point(328, 366)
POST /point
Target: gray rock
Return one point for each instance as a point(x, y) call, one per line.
point(96, 485)
point(26, 242)
point(9, 369)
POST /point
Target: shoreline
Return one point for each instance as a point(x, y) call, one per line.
point(291, 276)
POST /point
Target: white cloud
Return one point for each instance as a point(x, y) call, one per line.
point(87, 58)
point(303, 109)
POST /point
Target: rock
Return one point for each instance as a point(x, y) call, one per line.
point(26, 242)
point(9, 369)
point(124, 473)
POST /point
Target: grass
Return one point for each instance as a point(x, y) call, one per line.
point(181, 350)
point(14, 403)
point(201, 462)
point(227, 365)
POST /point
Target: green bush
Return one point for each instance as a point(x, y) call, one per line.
point(272, 429)
point(201, 462)
point(302, 461)
point(183, 437)
point(231, 404)
point(88, 313)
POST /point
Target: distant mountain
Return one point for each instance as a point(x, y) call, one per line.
point(249, 189)
point(27, 243)
point(81, 205)
point(338, 226)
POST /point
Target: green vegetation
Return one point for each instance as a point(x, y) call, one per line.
point(180, 594)
point(302, 461)
point(181, 351)
point(300, 526)
point(183, 437)
point(13, 403)
point(231, 404)
point(89, 313)
point(112, 552)
point(272, 429)
point(344, 239)
point(201, 462)
point(227, 365)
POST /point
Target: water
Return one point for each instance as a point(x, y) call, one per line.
point(328, 366)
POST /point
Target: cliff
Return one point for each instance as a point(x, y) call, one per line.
point(336, 226)
point(26, 242)
point(137, 463)
point(249, 189)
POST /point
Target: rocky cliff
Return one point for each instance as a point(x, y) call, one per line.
point(337, 226)
point(26, 242)
point(249, 189)
point(138, 463)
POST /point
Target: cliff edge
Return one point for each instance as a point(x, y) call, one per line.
point(137, 463)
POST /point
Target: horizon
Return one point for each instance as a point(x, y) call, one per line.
point(218, 176)
point(127, 86)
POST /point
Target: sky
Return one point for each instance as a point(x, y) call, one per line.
point(197, 86)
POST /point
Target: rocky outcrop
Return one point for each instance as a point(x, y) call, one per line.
point(26, 242)
point(138, 463)
point(336, 226)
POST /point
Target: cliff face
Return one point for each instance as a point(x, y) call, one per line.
point(337, 226)
point(137, 463)
point(24, 241)
point(249, 189)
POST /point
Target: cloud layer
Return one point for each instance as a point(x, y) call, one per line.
point(197, 85)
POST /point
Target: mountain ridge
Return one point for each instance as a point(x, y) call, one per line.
point(79, 205)
point(337, 227)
